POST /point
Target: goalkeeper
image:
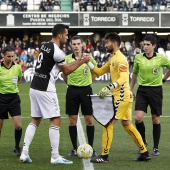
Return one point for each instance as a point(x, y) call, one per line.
point(123, 100)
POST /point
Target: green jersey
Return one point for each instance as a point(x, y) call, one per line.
point(150, 70)
point(82, 75)
point(9, 78)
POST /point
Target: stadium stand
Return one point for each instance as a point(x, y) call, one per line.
point(73, 5)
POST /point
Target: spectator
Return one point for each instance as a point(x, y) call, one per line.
point(23, 56)
point(24, 46)
point(130, 52)
point(98, 47)
point(1, 58)
point(17, 41)
point(89, 45)
point(1, 41)
point(31, 43)
point(141, 46)
point(167, 43)
point(130, 5)
point(30, 61)
point(42, 6)
point(94, 42)
point(4, 44)
point(11, 44)
point(109, 5)
point(83, 5)
point(49, 5)
point(76, 6)
point(11, 41)
point(124, 51)
point(137, 51)
point(115, 4)
point(131, 61)
point(17, 49)
point(155, 5)
point(57, 2)
point(24, 40)
point(23, 65)
point(142, 5)
point(123, 5)
point(97, 56)
point(16, 5)
point(105, 58)
point(95, 5)
point(102, 5)
point(36, 44)
point(24, 5)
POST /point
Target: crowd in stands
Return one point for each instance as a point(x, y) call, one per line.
point(27, 51)
point(119, 5)
point(21, 5)
point(96, 5)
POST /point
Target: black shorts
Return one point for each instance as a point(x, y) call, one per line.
point(9, 103)
point(77, 96)
point(151, 96)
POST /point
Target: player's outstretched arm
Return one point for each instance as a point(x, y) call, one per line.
point(70, 67)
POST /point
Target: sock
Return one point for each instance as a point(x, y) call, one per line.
point(90, 134)
point(156, 134)
point(73, 136)
point(141, 128)
point(107, 139)
point(54, 135)
point(29, 135)
point(18, 134)
point(136, 137)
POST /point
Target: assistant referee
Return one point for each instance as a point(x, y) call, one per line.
point(10, 78)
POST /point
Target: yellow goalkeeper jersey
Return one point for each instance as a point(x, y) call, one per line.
point(119, 72)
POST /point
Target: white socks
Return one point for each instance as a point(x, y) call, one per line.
point(29, 134)
point(54, 136)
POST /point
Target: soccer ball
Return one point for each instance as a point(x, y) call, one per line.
point(84, 151)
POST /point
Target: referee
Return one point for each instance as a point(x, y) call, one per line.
point(10, 78)
point(78, 93)
point(148, 67)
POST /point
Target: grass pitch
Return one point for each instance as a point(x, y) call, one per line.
point(123, 150)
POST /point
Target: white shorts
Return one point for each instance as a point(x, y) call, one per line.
point(44, 104)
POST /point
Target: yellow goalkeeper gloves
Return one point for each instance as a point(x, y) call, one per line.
point(107, 90)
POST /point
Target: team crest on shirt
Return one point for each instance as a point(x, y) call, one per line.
point(85, 71)
point(155, 71)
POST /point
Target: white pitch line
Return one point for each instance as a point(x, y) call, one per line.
point(82, 140)
point(65, 117)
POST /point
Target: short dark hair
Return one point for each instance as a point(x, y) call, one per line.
point(59, 29)
point(113, 36)
point(76, 38)
point(150, 38)
point(7, 48)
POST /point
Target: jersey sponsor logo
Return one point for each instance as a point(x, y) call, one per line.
point(155, 71)
point(40, 75)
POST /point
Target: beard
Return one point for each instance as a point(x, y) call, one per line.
point(109, 50)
